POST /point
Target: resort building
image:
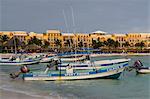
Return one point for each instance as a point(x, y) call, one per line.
point(8, 33)
point(69, 40)
point(37, 35)
point(57, 39)
point(100, 36)
point(83, 40)
point(121, 38)
point(54, 37)
point(134, 38)
point(21, 35)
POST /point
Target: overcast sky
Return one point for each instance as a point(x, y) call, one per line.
point(113, 16)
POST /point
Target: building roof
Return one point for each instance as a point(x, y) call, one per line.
point(67, 34)
point(101, 32)
point(53, 31)
point(119, 34)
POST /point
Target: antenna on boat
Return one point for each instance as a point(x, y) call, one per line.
point(73, 22)
point(65, 19)
point(15, 45)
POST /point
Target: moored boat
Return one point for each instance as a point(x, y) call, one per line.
point(140, 69)
point(18, 61)
point(47, 58)
point(71, 58)
point(97, 64)
point(144, 70)
point(112, 72)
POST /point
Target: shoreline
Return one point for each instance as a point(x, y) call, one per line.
point(7, 55)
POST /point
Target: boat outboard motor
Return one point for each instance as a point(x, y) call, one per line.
point(23, 69)
point(137, 64)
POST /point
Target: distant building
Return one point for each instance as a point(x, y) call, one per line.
point(72, 40)
point(53, 36)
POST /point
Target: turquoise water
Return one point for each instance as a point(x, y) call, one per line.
point(128, 86)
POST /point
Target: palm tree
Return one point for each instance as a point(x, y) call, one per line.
point(46, 44)
point(97, 44)
point(35, 40)
point(94, 44)
point(4, 38)
point(126, 44)
point(141, 44)
point(116, 44)
point(105, 43)
point(80, 44)
point(68, 43)
point(58, 42)
point(110, 43)
point(100, 44)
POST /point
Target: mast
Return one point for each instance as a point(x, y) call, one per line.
point(74, 30)
point(65, 19)
point(15, 45)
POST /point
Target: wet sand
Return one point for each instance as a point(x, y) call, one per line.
point(14, 95)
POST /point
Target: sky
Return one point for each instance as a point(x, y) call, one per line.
point(112, 16)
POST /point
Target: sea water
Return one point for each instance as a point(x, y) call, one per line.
point(128, 86)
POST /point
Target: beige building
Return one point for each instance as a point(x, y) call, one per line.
point(83, 39)
point(100, 36)
point(68, 40)
point(78, 39)
point(21, 35)
point(52, 36)
point(134, 38)
point(121, 38)
point(8, 33)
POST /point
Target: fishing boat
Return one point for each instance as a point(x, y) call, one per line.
point(144, 70)
point(81, 65)
point(71, 58)
point(17, 61)
point(47, 58)
point(112, 72)
point(140, 69)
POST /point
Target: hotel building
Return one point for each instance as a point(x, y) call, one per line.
point(70, 40)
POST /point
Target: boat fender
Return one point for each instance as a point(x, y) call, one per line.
point(24, 69)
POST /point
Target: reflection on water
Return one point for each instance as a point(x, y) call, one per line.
point(129, 86)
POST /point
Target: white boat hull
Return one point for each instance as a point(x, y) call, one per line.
point(64, 59)
point(96, 64)
point(144, 71)
point(18, 63)
point(91, 76)
point(46, 60)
